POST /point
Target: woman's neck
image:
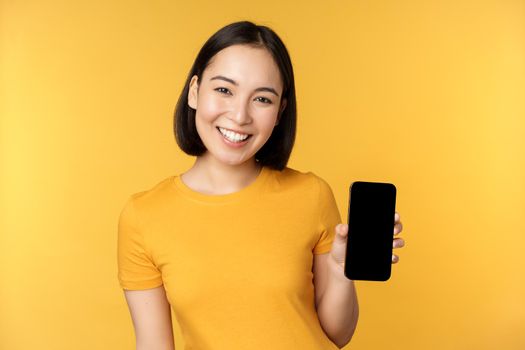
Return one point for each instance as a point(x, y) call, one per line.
point(209, 176)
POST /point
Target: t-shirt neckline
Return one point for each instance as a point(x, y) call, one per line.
point(244, 192)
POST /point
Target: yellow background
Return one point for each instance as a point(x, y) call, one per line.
point(428, 95)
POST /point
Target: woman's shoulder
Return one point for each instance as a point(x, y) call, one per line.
point(291, 177)
point(299, 174)
point(154, 194)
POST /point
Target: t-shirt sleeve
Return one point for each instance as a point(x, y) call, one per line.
point(329, 218)
point(136, 270)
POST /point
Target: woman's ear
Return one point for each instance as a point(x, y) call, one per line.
point(281, 109)
point(192, 92)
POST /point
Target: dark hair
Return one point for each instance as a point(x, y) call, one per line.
point(276, 151)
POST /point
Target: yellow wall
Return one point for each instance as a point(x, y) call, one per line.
point(428, 95)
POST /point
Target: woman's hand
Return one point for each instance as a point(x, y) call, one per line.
point(337, 254)
point(398, 242)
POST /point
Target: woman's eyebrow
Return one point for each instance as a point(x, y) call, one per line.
point(264, 88)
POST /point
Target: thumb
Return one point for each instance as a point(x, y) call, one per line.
point(341, 232)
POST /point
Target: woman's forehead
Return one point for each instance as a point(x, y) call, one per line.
point(244, 64)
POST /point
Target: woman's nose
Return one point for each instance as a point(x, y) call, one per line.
point(241, 112)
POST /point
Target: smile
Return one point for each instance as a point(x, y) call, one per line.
point(233, 136)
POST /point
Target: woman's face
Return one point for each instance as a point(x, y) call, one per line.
point(240, 91)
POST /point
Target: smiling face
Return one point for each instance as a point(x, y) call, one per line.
point(241, 91)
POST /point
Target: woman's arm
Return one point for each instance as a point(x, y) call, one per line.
point(151, 315)
point(337, 309)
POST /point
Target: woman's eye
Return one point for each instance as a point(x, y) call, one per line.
point(226, 91)
point(265, 100)
point(222, 89)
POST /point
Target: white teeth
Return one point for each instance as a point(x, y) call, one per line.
point(233, 136)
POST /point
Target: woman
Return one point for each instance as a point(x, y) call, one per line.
point(240, 245)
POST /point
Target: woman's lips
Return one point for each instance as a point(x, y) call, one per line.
point(235, 131)
point(231, 143)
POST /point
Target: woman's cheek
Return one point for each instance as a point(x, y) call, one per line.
point(270, 117)
point(213, 106)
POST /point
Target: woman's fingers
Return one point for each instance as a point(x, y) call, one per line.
point(395, 259)
point(398, 243)
point(398, 227)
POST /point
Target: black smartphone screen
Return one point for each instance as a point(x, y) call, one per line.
point(371, 211)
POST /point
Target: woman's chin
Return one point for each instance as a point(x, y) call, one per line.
point(235, 161)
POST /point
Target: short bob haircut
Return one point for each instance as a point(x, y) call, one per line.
point(276, 151)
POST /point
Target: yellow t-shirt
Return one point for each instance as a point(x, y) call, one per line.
point(237, 267)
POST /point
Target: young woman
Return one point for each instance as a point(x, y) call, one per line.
point(248, 252)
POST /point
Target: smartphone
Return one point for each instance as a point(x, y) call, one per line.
point(371, 211)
